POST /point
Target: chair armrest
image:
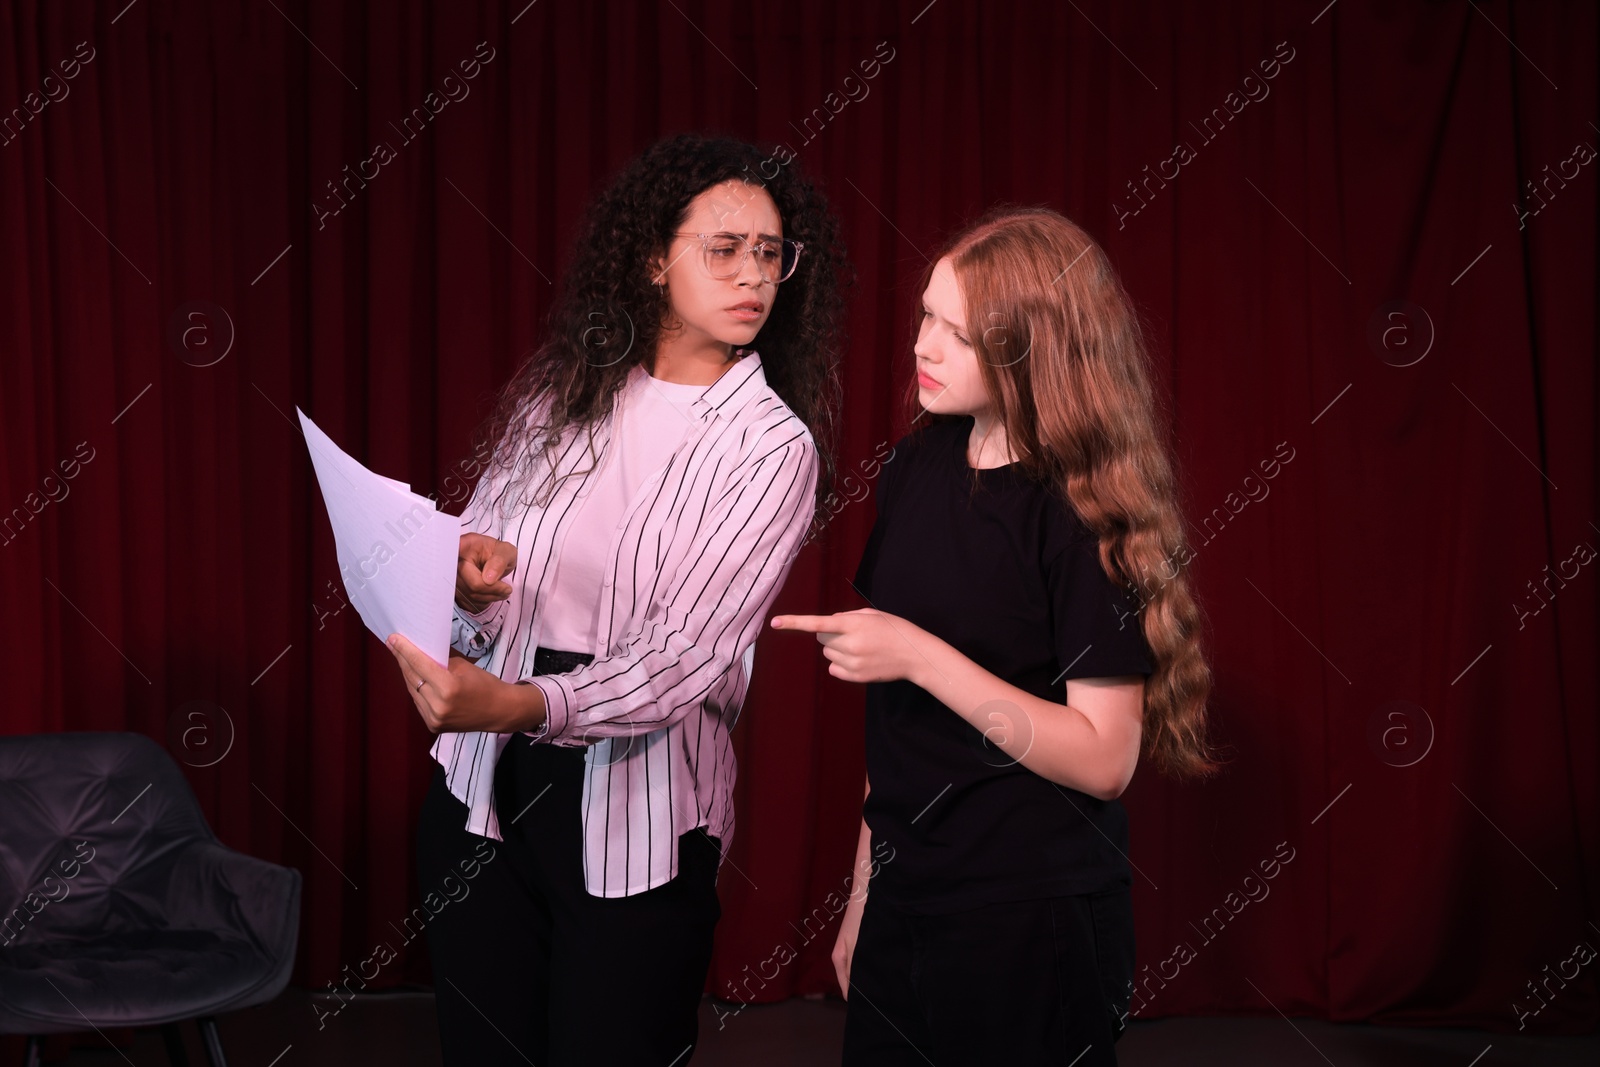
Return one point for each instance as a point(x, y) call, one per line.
point(212, 885)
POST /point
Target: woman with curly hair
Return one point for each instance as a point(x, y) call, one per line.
point(1028, 534)
point(656, 467)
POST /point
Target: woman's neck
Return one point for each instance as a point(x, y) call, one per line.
point(988, 445)
point(680, 360)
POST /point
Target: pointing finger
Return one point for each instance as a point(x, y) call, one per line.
point(811, 624)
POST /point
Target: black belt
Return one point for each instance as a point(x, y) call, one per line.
point(553, 661)
point(557, 661)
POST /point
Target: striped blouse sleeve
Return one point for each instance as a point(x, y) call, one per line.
point(709, 616)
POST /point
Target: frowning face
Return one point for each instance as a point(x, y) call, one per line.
point(728, 311)
point(949, 381)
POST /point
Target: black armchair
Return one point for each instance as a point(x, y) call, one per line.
point(118, 906)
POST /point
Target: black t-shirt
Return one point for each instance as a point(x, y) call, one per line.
point(1012, 579)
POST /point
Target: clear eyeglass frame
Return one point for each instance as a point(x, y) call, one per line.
point(720, 263)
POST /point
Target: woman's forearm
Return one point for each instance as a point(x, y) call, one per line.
point(527, 708)
point(1055, 741)
point(861, 873)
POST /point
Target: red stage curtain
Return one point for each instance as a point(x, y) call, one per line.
point(1403, 626)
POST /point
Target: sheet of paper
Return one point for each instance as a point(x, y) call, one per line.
point(396, 550)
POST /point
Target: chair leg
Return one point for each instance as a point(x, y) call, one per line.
point(30, 1057)
point(213, 1041)
point(172, 1033)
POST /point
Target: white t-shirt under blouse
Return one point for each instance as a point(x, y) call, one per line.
point(653, 418)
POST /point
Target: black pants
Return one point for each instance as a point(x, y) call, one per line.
point(1026, 982)
point(528, 967)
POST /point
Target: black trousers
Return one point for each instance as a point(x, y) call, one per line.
point(1026, 982)
point(528, 967)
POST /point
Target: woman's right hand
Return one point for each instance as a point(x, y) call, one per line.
point(844, 946)
point(481, 561)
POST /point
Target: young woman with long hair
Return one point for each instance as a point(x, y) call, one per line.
point(655, 468)
point(1031, 633)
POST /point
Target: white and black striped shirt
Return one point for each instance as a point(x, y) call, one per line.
point(703, 549)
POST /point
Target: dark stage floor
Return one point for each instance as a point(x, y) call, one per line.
point(398, 1029)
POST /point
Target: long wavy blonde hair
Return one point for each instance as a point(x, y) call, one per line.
point(1060, 346)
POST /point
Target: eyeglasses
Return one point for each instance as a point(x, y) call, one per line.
point(725, 254)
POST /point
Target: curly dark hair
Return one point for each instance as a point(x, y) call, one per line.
point(608, 302)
